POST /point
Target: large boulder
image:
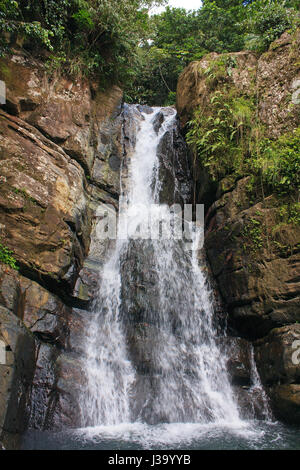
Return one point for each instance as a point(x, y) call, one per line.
point(278, 362)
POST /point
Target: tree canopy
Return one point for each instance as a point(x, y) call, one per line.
point(179, 37)
point(118, 41)
point(91, 37)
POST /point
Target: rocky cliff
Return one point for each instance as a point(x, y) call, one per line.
point(62, 144)
point(252, 235)
point(60, 153)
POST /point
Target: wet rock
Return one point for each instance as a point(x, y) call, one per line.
point(251, 403)
point(77, 331)
point(142, 340)
point(145, 109)
point(16, 375)
point(105, 171)
point(238, 351)
point(276, 356)
point(139, 292)
point(146, 386)
point(55, 389)
point(71, 379)
point(248, 391)
point(174, 169)
point(158, 120)
point(286, 403)
point(44, 396)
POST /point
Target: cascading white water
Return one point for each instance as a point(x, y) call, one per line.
point(189, 381)
point(110, 375)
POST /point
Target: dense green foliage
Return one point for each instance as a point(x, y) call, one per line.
point(265, 22)
point(117, 40)
point(279, 162)
point(179, 37)
point(6, 257)
point(230, 140)
point(91, 37)
point(222, 135)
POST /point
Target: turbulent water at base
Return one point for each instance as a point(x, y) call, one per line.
point(174, 393)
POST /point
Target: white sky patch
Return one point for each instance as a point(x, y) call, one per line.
point(187, 4)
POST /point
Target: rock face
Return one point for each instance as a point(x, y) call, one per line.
point(17, 370)
point(278, 361)
point(253, 252)
point(274, 75)
point(174, 168)
point(61, 148)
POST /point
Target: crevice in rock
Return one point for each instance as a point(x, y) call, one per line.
point(105, 188)
point(60, 288)
point(80, 162)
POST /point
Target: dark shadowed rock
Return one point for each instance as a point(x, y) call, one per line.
point(286, 402)
point(238, 351)
point(250, 401)
point(174, 168)
point(276, 356)
point(16, 374)
point(157, 121)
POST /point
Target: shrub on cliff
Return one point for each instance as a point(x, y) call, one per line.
point(229, 140)
point(279, 162)
point(6, 257)
point(221, 133)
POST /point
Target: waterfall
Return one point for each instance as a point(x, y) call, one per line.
point(151, 353)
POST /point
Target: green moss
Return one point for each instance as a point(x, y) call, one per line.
point(278, 161)
point(252, 234)
point(290, 213)
point(6, 257)
point(221, 134)
point(23, 193)
point(219, 70)
point(4, 71)
point(284, 251)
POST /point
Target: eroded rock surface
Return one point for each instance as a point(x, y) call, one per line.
point(60, 154)
point(253, 252)
point(17, 370)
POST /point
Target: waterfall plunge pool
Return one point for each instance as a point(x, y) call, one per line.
point(254, 435)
